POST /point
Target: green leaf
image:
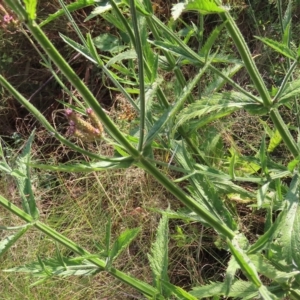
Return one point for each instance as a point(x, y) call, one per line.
point(205, 7)
point(108, 42)
point(121, 244)
point(123, 162)
point(9, 241)
point(211, 108)
point(30, 6)
point(279, 47)
point(267, 269)
point(159, 254)
point(24, 182)
point(292, 89)
point(275, 141)
point(292, 164)
point(290, 226)
point(54, 267)
point(71, 7)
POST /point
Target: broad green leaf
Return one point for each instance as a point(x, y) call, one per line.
point(292, 164)
point(239, 289)
point(30, 6)
point(267, 269)
point(71, 7)
point(205, 7)
point(211, 108)
point(24, 182)
point(279, 47)
point(288, 239)
point(275, 141)
point(121, 244)
point(123, 162)
point(108, 42)
point(9, 241)
point(159, 254)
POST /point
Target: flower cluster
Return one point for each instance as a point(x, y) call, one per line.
point(86, 131)
point(5, 17)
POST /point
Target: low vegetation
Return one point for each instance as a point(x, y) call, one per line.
point(149, 150)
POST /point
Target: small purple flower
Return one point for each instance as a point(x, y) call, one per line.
point(72, 123)
point(7, 18)
point(89, 111)
point(68, 112)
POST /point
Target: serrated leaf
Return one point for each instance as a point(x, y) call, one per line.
point(267, 269)
point(289, 227)
point(292, 164)
point(211, 108)
point(278, 47)
point(24, 182)
point(9, 241)
point(86, 167)
point(292, 89)
point(159, 254)
point(53, 267)
point(121, 244)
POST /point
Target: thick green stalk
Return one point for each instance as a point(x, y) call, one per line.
point(189, 202)
point(143, 287)
point(245, 54)
point(284, 132)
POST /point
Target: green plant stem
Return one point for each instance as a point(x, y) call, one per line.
point(258, 82)
point(190, 203)
point(285, 81)
point(144, 288)
point(247, 58)
point(75, 80)
point(200, 59)
point(139, 52)
point(284, 132)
